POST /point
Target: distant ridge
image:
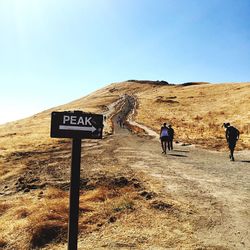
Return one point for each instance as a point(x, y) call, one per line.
point(161, 82)
point(193, 83)
point(149, 82)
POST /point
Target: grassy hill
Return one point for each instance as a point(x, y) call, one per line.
point(34, 169)
point(197, 111)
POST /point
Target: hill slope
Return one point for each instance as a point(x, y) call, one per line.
point(195, 111)
point(34, 168)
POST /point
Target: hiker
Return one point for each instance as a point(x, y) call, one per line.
point(164, 137)
point(121, 123)
point(171, 137)
point(118, 120)
point(232, 135)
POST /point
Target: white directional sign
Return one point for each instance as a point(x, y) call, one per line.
point(76, 124)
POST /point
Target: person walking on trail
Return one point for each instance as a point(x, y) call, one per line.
point(119, 121)
point(171, 137)
point(232, 135)
point(164, 137)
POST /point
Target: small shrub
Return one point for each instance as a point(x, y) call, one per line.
point(45, 233)
point(160, 205)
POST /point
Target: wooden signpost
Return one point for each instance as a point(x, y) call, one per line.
point(76, 125)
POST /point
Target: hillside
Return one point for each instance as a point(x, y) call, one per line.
point(118, 189)
point(196, 110)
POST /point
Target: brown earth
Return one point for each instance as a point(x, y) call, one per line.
point(132, 196)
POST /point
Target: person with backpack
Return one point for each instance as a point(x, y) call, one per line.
point(232, 136)
point(164, 138)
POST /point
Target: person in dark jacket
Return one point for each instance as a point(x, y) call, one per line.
point(232, 136)
point(171, 137)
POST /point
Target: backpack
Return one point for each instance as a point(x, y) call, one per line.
point(232, 133)
point(164, 131)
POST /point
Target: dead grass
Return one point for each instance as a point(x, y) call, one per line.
point(195, 110)
point(113, 213)
point(135, 129)
point(189, 108)
point(16, 136)
point(36, 220)
point(39, 219)
point(31, 221)
point(198, 111)
point(4, 207)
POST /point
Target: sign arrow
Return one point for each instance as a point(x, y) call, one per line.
point(64, 127)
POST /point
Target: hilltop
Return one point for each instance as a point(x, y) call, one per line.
point(131, 196)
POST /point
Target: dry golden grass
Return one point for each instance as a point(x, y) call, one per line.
point(39, 219)
point(196, 111)
point(33, 134)
point(18, 135)
point(31, 221)
point(35, 219)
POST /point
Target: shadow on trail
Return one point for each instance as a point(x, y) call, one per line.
point(178, 155)
point(246, 161)
point(181, 151)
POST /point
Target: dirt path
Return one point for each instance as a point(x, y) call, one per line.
point(217, 189)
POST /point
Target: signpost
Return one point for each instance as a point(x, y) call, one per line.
point(76, 125)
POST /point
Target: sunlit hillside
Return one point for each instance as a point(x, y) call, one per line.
point(34, 169)
point(196, 111)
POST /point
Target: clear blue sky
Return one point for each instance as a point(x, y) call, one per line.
point(54, 51)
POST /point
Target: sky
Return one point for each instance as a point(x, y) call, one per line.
point(55, 51)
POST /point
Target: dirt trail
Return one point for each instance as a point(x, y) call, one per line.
point(217, 189)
